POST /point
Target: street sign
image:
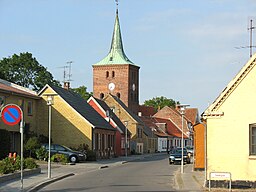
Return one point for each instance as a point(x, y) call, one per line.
point(11, 114)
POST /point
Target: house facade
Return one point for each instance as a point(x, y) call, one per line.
point(231, 129)
point(27, 100)
point(173, 118)
point(139, 136)
point(122, 136)
point(74, 122)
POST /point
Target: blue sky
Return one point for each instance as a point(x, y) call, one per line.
point(185, 48)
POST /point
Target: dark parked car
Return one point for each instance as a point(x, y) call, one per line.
point(176, 155)
point(73, 156)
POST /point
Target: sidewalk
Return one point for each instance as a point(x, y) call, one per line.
point(189, 180)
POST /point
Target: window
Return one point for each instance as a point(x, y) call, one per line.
point(118, 95)
point(113, 73)
point(101, 95)
point(252, 139)
point(59, 148)
point(139, 133)
point(30, 108)
point(107, 74)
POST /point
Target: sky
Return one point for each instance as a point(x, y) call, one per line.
point(186, 49)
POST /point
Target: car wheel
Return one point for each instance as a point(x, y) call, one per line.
point(73, 159)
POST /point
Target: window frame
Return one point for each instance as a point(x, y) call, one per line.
point(30, 108)
point(251, 144)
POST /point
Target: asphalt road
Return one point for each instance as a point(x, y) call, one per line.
point(151, 174)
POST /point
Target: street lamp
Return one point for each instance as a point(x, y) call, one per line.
point(126, 124)
point(50, 102)
point(182, 111)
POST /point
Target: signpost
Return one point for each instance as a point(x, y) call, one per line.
point(12, 115)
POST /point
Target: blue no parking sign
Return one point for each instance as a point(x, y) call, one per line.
point(11, 114)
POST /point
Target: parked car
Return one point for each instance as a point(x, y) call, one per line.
point(73, 156)
point(176, 155)
point(190, 150)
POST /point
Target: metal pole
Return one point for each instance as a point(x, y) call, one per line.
point(251, 28)
point(126, 140)
point(21, 153)
point(49, 145)
point(182, 171)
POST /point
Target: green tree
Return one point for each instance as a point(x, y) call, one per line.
point(160, 102)
point(32, 145)
point(25, 70)
point(82, 91)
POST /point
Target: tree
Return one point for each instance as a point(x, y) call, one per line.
point(25, 71)
point(31, 145)
point(160, 102)
point(82, 91)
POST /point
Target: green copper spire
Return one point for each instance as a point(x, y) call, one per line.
point(116, 54)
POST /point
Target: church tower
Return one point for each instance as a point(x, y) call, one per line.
point(116, 74)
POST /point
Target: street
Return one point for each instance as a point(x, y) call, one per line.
point(150, 174)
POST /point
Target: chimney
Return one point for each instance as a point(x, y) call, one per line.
point(66, 85)
point(177, 107)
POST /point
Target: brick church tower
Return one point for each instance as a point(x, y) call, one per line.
point(116, 74)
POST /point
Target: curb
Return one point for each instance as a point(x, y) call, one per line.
point(45, 183)
point(16, 175)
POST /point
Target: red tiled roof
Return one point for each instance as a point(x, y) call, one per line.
point(151, 123)
point(146, 110)
point(172, 129)
point(191, 114)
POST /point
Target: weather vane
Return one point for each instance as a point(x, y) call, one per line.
point(116, 4)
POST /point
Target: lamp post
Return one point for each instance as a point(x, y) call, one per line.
point(50, 102)
point(126, 124)
point(182, 111)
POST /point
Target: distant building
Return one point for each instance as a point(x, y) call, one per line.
point(116, 74)
point(122, 135)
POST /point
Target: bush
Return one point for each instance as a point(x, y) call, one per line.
point(6, 166)
point(59, 158)
point(5, 143)
point(91, 155)
point(17, 163)
point(30, 163)
point(9, 165)
point(41, 153)
point(32, 144)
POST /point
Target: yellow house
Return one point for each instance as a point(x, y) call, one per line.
point(231, 129)
point(26, 99)
point(74, 122)
point(140, 134)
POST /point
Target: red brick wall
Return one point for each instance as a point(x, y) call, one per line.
point(124, 78)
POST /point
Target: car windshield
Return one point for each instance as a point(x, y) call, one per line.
point(179, 151)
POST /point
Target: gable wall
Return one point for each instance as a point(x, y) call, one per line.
point(68, 127)
point(228, 136)
point(122, 115)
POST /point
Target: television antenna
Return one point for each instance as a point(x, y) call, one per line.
point(67, 72)
point(250, 28)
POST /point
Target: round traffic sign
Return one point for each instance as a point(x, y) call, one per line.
point(11, 114)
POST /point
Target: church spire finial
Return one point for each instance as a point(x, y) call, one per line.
point(116, 6)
